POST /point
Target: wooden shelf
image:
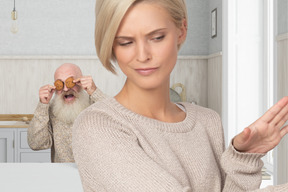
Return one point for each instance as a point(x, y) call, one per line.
point(16, 117)
point(14, 126)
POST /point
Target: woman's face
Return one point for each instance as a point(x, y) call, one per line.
point(146, 44)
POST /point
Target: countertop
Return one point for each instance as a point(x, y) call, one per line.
point(15, 120)
point(39, 177)
point(13, 124)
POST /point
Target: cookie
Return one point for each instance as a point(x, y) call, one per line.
point(59, 84)
point(69, 82)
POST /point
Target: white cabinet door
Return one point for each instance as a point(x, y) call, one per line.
point(6, 146)
point(25, 154)
point(14, 148)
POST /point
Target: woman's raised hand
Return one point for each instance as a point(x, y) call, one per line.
point(265, 133)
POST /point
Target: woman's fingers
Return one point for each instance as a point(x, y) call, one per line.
point(246, 134)
point(282, 121)
point(282, 115)
point(264, 129)
point(284, 131)
point(275, 110)
point(241, 139)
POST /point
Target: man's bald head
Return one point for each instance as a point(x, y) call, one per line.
point(67, 70)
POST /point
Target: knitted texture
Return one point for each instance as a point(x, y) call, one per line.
point(47, 132)
point(118, 150)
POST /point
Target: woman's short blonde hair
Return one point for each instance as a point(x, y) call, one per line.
point(109, 14)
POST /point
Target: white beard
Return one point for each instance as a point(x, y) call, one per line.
point(68, 112)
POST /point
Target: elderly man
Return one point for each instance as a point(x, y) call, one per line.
point(53, 120)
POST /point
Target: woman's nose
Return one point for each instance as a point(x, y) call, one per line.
point(143, 52)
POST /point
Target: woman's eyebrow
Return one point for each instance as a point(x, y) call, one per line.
point(124, 37)
point(148, 34)
point(155, 31)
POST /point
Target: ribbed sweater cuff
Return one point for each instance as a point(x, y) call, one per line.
point(235, 162)
point(42, 109)
point(242, 169)
point(276, 188)
point(247, 159)
point(283, 187)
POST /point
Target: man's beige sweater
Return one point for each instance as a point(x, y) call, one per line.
point(47, 132)
point(118, 150)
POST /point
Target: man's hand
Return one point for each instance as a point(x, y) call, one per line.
point(265, 133)
point(46, 93)
point(87, 83)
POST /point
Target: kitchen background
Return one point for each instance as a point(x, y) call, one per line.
point(53, 32)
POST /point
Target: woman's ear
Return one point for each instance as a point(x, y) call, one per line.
point(183, 32)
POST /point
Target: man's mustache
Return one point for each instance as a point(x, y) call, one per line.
point(69, 92)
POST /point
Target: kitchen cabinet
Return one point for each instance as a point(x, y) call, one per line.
point(6, 146)
point(14, 147)
point(25, 154)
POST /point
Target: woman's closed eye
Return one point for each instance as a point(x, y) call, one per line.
point(158, 38)
point(125, 43)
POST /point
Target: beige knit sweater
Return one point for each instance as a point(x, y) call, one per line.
point(47, 132)
point(118, 150)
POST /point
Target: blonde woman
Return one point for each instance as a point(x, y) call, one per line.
point(139, 140)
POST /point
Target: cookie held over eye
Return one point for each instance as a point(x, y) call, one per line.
point(69, 82)
point(59, 84)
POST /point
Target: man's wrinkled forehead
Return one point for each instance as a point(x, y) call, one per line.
point(67, 70)
point(63, 75)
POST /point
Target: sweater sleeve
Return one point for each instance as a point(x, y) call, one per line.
point(109, 158)
point(39, 132)
point(243, 170)
point(276, 188)
point(97, 95)
point(239, 171)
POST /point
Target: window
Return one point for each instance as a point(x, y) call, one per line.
point(247, 67)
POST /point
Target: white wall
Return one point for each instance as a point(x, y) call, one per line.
point(48, 28)
point(24, 75)
point(215, 44)
point(282, 7)
point(66, 28)
point(282, 90)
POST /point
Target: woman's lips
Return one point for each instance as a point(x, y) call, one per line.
point(147, 71)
